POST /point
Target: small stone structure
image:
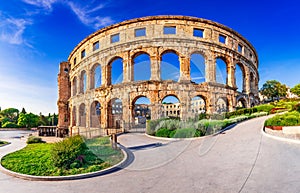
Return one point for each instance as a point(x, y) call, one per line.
point(89, 94)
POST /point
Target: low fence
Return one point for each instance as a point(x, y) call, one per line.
point(47, 130)
point(87, 132)
point(135, 127)
point(96, 132)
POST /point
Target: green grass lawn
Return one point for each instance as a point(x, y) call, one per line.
point(35, 159)
point(102, 149)
point(3, 143)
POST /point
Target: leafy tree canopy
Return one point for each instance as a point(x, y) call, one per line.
point(11, 114)
point(28, 120)
point(273, 89)
point(296, 89)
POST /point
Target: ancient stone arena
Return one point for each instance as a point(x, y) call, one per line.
point(123, 74)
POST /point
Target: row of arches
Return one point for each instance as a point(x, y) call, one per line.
point(170, 69)
point(141, 109)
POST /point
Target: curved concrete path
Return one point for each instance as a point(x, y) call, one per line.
point(239, 160)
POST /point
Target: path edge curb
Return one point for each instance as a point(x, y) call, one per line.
point(279, 138)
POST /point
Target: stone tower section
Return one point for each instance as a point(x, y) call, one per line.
point(64, 93)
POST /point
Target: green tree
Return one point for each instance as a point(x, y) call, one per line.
point(296, 89)
point(273, 89)
point(9, 125)
point(10, 114)
point(43, 120)
point(23, 111)
point(55, 119)
point(52, 119)
point(28, 120)
point(4, 120)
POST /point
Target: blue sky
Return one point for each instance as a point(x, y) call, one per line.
point(36, 35)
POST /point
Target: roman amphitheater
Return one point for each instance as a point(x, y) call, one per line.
point(111, 73)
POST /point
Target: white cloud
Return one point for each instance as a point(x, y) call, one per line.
point(85, 15)
point(197, 78)
point(12, 30)
point(45, 4)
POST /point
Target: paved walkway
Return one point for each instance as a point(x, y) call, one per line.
point(239, 160)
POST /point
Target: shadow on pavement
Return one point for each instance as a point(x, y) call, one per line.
point(147, 146)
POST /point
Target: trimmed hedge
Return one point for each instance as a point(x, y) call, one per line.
point(33, 139)
point(163, 132)
point(179, 133)
point(286, 119)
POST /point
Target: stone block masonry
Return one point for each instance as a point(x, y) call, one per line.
point(89, 97)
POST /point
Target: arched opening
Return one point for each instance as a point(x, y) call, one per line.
point(95, 114)
point(252, 99)
point(74, 116)
point(170, 66)
point(171, 107)
point(221, 71)
point(74, 86)
point(221, 105)
point(116, 71)
point(142, 68)
point(197, 68)
point(83, 79)
point(82, 115)
point(241, 103)
point(141, 110)
point(239, 77)
point(197, 105)
point(115, 113)
point(96, 76)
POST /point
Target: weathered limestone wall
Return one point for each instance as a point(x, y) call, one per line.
point(236, 50)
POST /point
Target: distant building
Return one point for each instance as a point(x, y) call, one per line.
point(171, 109)
point(117, 107)
point(198, 106)
point(290, 95)
point(142, 110)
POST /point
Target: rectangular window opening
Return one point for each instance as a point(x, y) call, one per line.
point(82, 53)
point(96, 45)
point(198, 33)
point(222, 39)
point(74, 61)
point(169, 29)
point(140, 32)
point(240, 48)
point(115, 38)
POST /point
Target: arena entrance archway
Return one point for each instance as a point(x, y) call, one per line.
point(198, 105)
point(115, 114)
point(171, 107)
point(141, 112)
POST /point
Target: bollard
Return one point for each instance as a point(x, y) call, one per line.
point(114, 141)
